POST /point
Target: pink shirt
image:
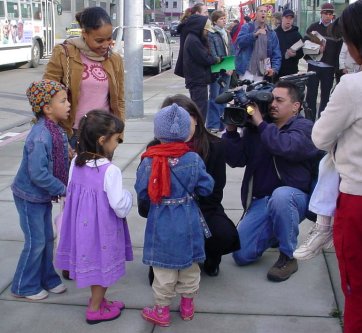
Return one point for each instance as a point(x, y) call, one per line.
point(94, 89)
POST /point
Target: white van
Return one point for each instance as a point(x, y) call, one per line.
point(157, 50)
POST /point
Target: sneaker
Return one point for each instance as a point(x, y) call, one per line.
point(59, 289)
point(158, 315)
point(104, 313)
point(283, 268)
point(187, 309)
point(39, 296)
point(317, 240)
point(117, 304)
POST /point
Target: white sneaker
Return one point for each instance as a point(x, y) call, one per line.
point(60, 288)
point(39, 296)
point(313, 245)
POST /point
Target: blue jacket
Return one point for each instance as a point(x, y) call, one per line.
point(34, 180)
point(174, 237)
point(291, 146)
point(217, 45)
point(245, 45)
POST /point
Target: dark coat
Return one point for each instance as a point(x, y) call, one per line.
point(225, 238)
point(196, 55)
point(333, 46)
point(183, 29)
point(286, 40)
point(291, 146)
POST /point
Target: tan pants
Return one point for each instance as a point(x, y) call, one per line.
point(168, 282)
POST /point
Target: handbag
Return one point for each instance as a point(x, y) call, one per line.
point(67, 72)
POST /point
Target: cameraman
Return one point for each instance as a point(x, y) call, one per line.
point(275, 189)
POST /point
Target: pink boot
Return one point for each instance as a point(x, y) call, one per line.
point(187, 308)
point(118, 304)
point(158, 315)
point(106, 303)
point(103, 314)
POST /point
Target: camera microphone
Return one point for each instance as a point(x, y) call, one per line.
point(225, 97)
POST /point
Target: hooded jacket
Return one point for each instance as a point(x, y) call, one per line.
point(197, 57)
point(286, 40)
point(183, 29)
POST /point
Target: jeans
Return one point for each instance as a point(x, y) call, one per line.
point(215, 110)
point(271, 219)
point(324, 75)
point(35, 270)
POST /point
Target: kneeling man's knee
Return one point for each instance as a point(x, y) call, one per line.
point(243, 258)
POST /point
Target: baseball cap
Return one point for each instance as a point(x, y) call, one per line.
point(288, 12)
point(327, 7)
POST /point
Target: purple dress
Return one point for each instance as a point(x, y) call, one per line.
point(94, 242)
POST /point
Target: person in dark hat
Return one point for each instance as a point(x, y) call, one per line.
point(288, 35)
point(327, 65)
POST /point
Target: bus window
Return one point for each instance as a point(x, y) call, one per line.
point(25, 11)
point(2, 9)
point(13, 9)
point(37, 11)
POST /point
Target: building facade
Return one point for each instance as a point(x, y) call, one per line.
point(71, 7)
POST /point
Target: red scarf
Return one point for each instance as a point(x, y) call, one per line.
point(159, 184)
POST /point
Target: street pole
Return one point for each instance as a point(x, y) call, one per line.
point(121, 13)
point(133, 58)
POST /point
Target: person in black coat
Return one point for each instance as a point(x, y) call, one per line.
point(197, 61)
point(225, 238)
point(288, 35)
point(187, 20)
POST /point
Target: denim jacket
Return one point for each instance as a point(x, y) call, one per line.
point(35, 181)
point(174, 237)
point(245, 45)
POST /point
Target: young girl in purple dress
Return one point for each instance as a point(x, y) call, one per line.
point(95, 241)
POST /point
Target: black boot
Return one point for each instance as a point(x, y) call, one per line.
point(211, 267)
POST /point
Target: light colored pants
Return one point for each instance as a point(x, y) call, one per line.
point(168, 282)
point(324, 197)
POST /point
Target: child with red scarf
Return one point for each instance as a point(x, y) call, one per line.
point(170, 176)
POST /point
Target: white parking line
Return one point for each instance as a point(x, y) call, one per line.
point(9, 137)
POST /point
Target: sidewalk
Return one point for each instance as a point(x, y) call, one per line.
point(240, 299)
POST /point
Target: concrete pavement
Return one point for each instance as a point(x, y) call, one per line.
point(240, 299)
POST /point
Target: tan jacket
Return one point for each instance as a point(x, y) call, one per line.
point(57, 69)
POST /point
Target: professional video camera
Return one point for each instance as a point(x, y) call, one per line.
point(259, 93)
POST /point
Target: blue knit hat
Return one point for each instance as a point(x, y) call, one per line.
point(172, 124)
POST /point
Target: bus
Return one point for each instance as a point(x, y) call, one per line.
point(27, 30)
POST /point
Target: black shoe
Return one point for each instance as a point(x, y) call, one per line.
point(210, 268)
point(151, 275)
point(283, 268)
point(65, 275)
